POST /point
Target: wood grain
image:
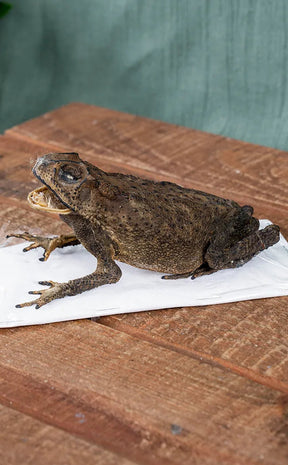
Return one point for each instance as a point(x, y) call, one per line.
point(203, 385)
point(249, 338)
point(143, 390)
point(37, 443)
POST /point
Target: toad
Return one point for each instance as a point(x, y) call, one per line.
point(158, 226)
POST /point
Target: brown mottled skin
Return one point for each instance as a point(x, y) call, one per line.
point(153, 225)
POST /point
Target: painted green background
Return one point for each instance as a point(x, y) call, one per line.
point(218, 65)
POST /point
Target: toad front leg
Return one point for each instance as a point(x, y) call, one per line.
point(107, 272)
point(48, 243)
point(99, 245)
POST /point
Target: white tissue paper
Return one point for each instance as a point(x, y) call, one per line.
point(266, 275)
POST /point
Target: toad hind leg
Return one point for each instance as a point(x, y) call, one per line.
point(234, 256)
point(106, 273)
point(48, 243)
point(239, 253)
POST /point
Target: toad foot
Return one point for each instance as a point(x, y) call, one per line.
point(55, 291)
point(48, 243)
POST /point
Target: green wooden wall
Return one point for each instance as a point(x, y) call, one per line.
point(215, 65)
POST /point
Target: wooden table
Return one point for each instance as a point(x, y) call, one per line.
point(202, 385)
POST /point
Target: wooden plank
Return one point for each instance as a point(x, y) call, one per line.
point(246, 334)
point(26, 440)
point(134, 376)
point(142, 401)
point(248, 338)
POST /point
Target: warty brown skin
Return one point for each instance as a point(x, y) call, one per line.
point(158, 226)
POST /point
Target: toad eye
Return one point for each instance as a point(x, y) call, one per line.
point(70, 174)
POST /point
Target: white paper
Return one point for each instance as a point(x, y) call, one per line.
point(266, 275)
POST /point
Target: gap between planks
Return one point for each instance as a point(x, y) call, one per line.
point(24, 439)
point(219, 362)
point(55, 400)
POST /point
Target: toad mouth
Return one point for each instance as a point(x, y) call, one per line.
point(44, 199)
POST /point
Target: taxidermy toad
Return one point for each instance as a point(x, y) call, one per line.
point(158, 226)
